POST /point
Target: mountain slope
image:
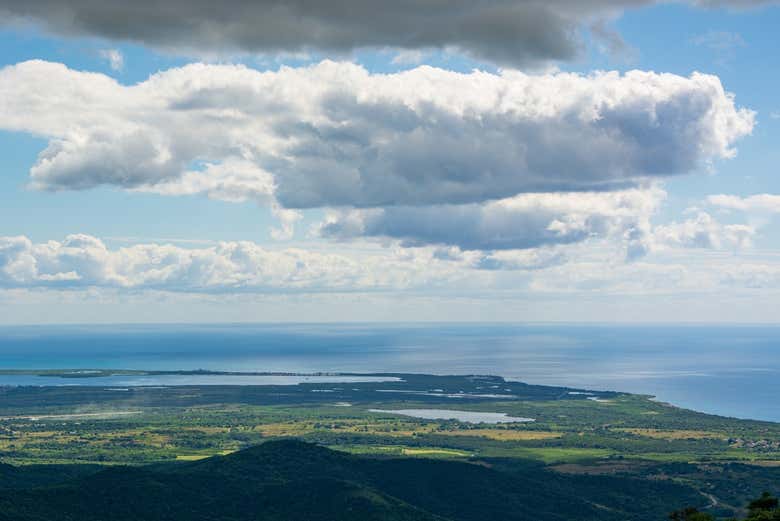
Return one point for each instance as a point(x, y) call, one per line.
point(289, 480)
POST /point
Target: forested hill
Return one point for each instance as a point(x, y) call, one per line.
point(291, 480)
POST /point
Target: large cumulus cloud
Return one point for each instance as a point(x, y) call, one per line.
point(505, 31)
point(335, 135)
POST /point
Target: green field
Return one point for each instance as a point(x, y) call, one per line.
point(617, 434)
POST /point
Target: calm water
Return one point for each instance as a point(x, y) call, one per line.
point(730, 370)
point(464, 416)
point(175, 379)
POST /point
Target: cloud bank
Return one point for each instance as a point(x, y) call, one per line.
point(334, 135)
point(82, 261)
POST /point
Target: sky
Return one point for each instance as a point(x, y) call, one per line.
point(360, 160)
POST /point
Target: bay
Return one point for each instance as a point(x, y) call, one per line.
point(732, 370)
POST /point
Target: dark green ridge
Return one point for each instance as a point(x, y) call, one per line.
point(291, 480)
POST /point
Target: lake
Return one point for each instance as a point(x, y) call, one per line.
point(728, 370)
point(449, 414)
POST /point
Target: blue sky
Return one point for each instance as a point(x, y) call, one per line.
point(530, 251)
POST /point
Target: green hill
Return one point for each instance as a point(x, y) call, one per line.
point(291, 480)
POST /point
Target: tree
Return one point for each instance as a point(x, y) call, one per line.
point(690, 514)
point(766, 502)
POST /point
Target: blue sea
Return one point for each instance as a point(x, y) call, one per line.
point(727, 370)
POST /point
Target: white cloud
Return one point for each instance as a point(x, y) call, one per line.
point(521, 222)
point(758, 210)
point(82, 261)
point(114, 57)
point(759, 203)
point(233, 180)
point(85, 263)
point(287, 220)
point(409, 57)
point(703, 231)
point(334, 135)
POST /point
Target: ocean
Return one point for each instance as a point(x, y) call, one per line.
point(724, 369)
